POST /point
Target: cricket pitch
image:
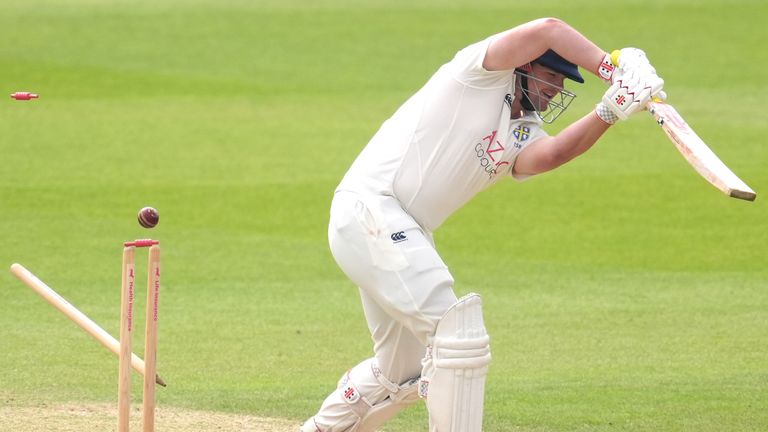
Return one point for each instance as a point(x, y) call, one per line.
point(72, 417)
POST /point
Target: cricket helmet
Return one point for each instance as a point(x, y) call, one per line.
point(558, 64)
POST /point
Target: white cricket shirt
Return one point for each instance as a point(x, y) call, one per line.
point(448, 142)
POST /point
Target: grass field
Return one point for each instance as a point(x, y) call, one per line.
point(622, 291)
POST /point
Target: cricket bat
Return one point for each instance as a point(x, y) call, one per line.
point(697, 153)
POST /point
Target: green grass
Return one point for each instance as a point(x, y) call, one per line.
point(622, 292)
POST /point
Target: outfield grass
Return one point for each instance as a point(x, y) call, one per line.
point(622, 291)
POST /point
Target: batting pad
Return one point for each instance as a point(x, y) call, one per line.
point(453, 377)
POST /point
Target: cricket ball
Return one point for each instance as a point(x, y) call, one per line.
point(148, 217)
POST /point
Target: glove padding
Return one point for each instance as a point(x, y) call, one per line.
point(633, 83)
point(624, 61)
point(632, 59)
point(632, 90)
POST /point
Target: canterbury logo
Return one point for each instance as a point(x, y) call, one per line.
point(398, 237)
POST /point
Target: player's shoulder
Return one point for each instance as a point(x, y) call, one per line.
point(529, 118)
point(467, 67)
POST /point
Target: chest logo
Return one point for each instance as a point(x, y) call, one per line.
point(489, 152)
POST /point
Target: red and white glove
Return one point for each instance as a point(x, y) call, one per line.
point(633, 83)
point(630, 94)
point(620, 62)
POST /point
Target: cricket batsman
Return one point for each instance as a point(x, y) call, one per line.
point(477, 120)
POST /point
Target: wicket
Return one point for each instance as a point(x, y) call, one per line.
point(150, 339)
point(79, 318)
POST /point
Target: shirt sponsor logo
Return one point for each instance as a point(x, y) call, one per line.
point(487, 152)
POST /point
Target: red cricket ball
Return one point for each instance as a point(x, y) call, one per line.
point(148, 217)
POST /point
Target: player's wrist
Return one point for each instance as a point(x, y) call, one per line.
point(606, 114)
point(624, 61)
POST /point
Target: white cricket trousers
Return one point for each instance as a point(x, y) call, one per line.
point(404, 285)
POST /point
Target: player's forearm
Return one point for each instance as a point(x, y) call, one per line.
point(549, 153)
point(526, 42)
point(579, 137)
point(575, 47)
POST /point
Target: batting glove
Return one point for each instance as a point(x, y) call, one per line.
point(623, 61)
point(629, 94)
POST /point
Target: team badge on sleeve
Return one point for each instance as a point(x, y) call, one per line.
point(521, 133)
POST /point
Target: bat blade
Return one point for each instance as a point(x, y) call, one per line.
point(697, 153)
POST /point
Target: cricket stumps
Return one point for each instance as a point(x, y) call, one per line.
point(150, 338)
point(74, 314)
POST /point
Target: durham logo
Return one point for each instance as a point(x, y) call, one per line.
point(522, 133)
